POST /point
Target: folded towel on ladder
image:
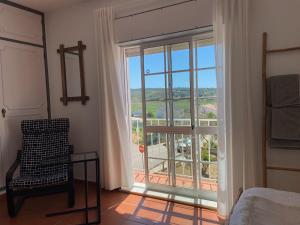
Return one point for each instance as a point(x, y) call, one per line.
point(283, 90)
point(285, 123)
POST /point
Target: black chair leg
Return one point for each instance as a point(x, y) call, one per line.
point(10, 204)
point(71, 196)
point(13, 206)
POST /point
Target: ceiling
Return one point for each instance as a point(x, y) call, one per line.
point(46, 5)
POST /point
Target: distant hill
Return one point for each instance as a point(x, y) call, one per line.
point(156, 108)
point(159, 93)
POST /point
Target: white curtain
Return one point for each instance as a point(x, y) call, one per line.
point(237, 142)
point(115, 142)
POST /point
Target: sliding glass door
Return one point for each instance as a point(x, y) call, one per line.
point(174, 116)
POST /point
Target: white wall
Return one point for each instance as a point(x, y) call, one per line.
point(67, 26)
point(281, 20)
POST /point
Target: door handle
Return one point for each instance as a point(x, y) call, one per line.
point(3, 111)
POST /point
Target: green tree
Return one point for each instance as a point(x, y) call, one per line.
point(211, 115)
point(150, 115)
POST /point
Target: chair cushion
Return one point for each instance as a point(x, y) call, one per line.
point(43, 140)
point(45, 126)
point(29, 182)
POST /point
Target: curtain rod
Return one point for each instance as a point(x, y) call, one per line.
point(151, 10)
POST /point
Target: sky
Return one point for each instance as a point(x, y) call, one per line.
point(154, 63)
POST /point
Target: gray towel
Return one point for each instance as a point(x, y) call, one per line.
point(283, 90)
point(286, 123)
point(279, 143)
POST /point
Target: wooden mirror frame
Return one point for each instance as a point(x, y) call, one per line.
point(62, 50)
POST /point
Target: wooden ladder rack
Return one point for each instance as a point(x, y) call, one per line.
point(265, 53)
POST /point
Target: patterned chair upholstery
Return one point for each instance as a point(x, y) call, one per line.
point(43, 141)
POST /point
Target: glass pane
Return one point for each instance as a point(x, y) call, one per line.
point(207, 82)
point(213, 148)
point(205, 170)
point(138, 142)
point(180, 56)
point(139, 176)
point(209, 171)
point(181, 112)
point(137, 150)
point(138, 158)
point(155, 87)
point(154, 60)
point(181, 85)
point(134, 68)
point(183, 146)
point(207, 112)
point(204, 145)
point(208, 158)
point(157, 145)
point(207, 100)
point(156, 113)
point(136, 106)
point(205, 56)
point(184, 174)
point(213, 171)
point(208, 184)
point(209, 177)
point(158, 171)
point(208, 148)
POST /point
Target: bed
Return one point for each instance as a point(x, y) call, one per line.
point(266, 206)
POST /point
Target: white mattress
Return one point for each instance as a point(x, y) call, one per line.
point(265, 206)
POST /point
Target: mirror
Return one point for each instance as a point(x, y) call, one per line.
point(73, 73)
point(72, 70)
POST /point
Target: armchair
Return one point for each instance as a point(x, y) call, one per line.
point(43, 140)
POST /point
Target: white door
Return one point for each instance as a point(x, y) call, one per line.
point(22, 96)
point(22, 79)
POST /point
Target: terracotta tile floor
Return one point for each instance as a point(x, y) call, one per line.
point(117, 209)
point(181, 181)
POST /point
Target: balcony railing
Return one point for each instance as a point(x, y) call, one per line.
point(208, 166)
point(178, 122)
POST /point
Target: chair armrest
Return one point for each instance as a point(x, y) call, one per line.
point(71, 149)
point(12, 169)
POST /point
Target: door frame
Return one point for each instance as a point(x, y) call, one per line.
point(190, 130)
